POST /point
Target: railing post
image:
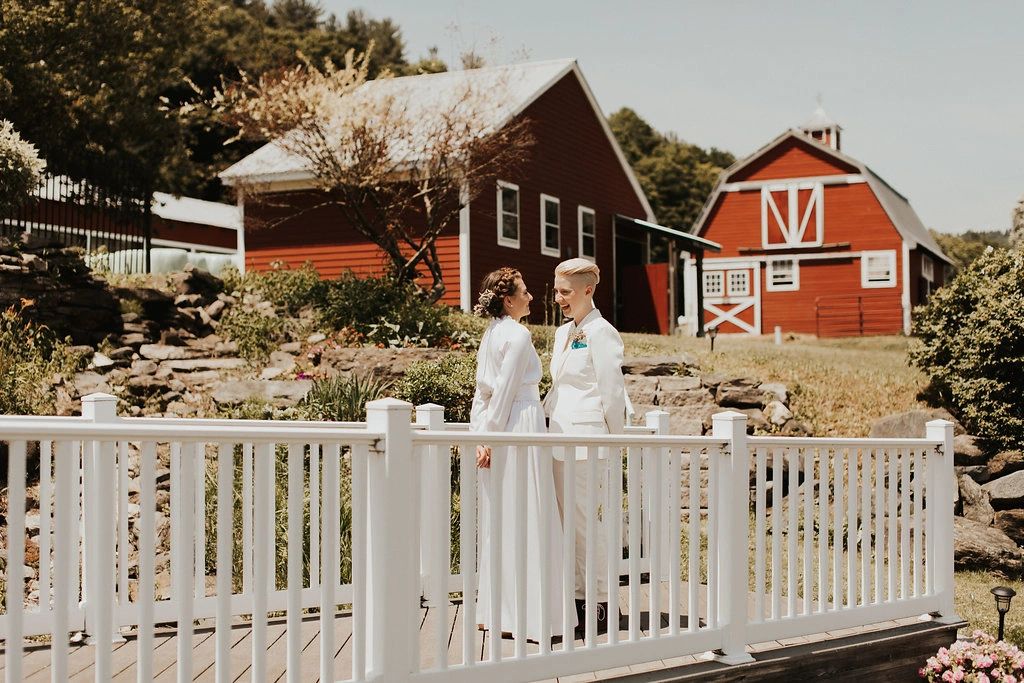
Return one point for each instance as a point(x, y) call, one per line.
point(392, 537)
point(941, 481)
point(658, 422)
point(435, 501)
point(732, 506)
point(99, 527)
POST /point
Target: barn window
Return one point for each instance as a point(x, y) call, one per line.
point(550, 226)
point(508, 214)
point(739, 283)
point(792, 215)
point(713, 283)
point(878, 269)
point(588, 233)
point(927, 268)
point(783, 275)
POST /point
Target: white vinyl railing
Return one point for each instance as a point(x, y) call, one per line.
point(717, 541)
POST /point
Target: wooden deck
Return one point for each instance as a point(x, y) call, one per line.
point(37, 657)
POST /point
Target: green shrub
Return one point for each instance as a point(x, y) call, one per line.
point(343, 399)
point(289, 289)
point(255, 332)
point(385, 311)
point(449, 382)
point(20, 168)
point(30, 356)
point(970, 342)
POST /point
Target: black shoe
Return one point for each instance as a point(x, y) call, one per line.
point(581, 617)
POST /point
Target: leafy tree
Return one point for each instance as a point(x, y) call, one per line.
point(970, 341)
point(20, 168)
point(1017, 225)
point(676, 176)
point(966, 247)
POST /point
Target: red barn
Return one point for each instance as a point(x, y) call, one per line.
point(575, 196)
point(813, 241)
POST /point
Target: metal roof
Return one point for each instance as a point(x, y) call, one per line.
point(694, 240)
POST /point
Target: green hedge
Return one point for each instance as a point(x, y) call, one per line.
point(449, 381)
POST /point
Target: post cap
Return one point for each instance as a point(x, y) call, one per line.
point(429, 407)
point(389, 404)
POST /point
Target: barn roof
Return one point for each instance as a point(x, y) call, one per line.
point(896, 206)
point(427, 93)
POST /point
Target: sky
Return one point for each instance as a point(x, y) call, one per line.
point(930, 94)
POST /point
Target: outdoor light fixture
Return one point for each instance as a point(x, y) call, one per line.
point(712, 332)
point(1003, 597)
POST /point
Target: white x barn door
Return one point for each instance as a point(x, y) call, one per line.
point(732, 297)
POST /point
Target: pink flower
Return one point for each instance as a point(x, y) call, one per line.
point(981, 678)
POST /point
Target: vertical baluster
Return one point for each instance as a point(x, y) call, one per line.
point(879, 524)
point(760, 514)
point(633, 497)
point(851, 529)
point(65, 564)
point(147, 556)
point(673, 550)
point(808, 531)
point(546, 512)
point(865, 527)
point(904, 520)
point(360, 458)
point(494, 512)
point(519, 462)
point(183, 570)
point(918, 528)
point(14, 645)
point(123, 551)
point(78, 520)
point(693, 561)
point(314, 515)
point(467, 550)
point(792, 568)
point(658, 456)
point(329, 576)
point(225, 559)
point(45, 522)
point(714, 504)
point(262, 553)
point(247, 517)
point(838, 516)
point(892, 523)
point(823, 527)
point(777, 467)
point(296, 482)
point(613, 522)
point(591, 548)
point(200, 519)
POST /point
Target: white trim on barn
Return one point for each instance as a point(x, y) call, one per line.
point(748, 185)
point(794, 227)
point(580, 212)
point(556, 250)
point(500, 214)
point(906, 287)
point(465, 271)
point(773, 269)
point(870, 269)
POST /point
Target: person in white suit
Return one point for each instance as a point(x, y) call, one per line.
point(587, 396)
point(507, 399)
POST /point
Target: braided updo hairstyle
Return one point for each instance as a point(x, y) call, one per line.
point(495, 287)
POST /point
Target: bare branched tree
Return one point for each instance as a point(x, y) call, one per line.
point(399, 162)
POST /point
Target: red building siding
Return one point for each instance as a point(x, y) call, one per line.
point(793, 159)
point(194, 233)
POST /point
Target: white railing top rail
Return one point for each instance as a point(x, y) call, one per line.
point(445, 438)
point(832, 442)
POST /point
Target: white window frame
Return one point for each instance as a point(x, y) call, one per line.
point(730, 291)
point(500, 212)
point(544, 248)
point(927, 268)
point(579, 222)
point(772, 265)
point(712, 275)
point(865, 260)
point(794, 229)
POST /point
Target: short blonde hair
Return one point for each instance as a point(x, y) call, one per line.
point(581, 268)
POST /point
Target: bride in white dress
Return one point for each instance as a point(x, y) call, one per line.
point(507, 399)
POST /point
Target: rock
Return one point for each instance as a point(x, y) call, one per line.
point(163, 352)
point(144, 367)
point(316, 338)
point(677, 383)
point(204, 317)
point(291, 347)
point(689, 397)
point(271, 373)
point(90, 383)
point(172, 337)
point(122, 353)
point(1011, 523)
point(797, 428)
point(777, 413)
point(100, 360)
point(777, 391)
point(215, 309)
point(282, 360)
point(978, 473)
point(739, 392)
point(1006, 492)
point(979, 546)
point(712, 379)
point(276, 391)
point(911, 424)
point(134, 339)
point(651, 367)
point(144, 385)
point(1005, 463)
point(198, 364)
point(196, 281)
point(966, 450)
point(975, 501)
point(641, 389)
point(187, 300)
point(755, 418)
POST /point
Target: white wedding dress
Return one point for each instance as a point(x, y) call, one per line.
point(507, 399)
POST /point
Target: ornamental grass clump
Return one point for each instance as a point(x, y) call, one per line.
point(985, 660)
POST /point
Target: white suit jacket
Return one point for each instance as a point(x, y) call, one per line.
point(586, 373)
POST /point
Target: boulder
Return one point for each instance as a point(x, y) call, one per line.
point(777, 413)
point(291, 347)
point(652, 366)
point(196, 281)
point(100, 360)
point(712, 379)
point(739, 392)
point(796, 428)
point(200, 364)
point(966, 450)
point(90, 383)
point(911, 424)
point(979, 546)
point(279, 392)
point(776, 391)
point(1005, 463)
point(975, 501)
point(978, 473)
point(755, 418)
point(134, 339)
point(688, 397)
point(676, 383)
point(144, 367)
point(164, 352)
point(215, 309)
point(122, 353)
point(1006, 492)
point(641, 389)
point(1011, 523)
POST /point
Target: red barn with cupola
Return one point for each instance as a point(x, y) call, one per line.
point(813, 241)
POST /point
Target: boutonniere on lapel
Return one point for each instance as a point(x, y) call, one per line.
point(579, 340)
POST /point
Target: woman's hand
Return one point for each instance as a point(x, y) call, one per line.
point(483, 457)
